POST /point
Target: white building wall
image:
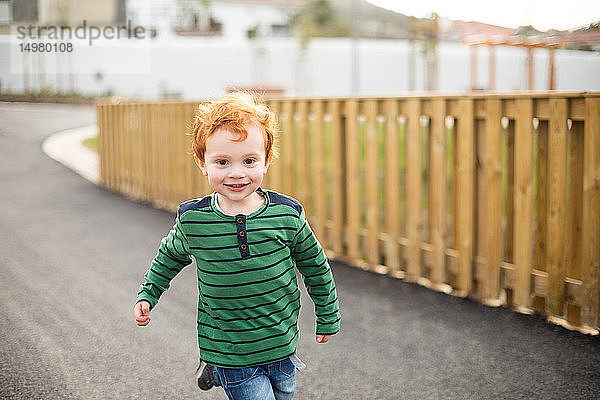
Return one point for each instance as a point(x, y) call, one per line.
point(195, 67)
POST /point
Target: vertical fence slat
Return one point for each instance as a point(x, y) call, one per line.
point(437, 192)
point(540, 207)
point(175, 137)
point(557, 168)
point(137, 151)
point(465, 174)
point(131, 150)
point(590, 271)
point(414, 183)
point(274, 175)
point(153, 144)
point(166, 151)
point(157, 178)
point(510, 193)
point(523, 205)
point(480, 207)
point(493, 201)
point(392, 188)
point(117, 147)
point(126, 149)
point(287, 149)
point(574, 218)
point(190, 168)
point(171, 151)
point(100, 117)
point(107, 146)
point(453, 163)
point(576, 168)
point(155, 169)
point(131, 153)
point(141, 156)
point(372, 184)
point(301, 154)
point(317, 154)
point(163, 188)
point(183, 150)
point(337, 168)
point(110, 147)
point(352, 181)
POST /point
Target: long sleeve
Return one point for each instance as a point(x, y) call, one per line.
point(173, 255)
point(313, 266)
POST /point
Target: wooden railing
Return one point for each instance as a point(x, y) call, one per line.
point(495, 197)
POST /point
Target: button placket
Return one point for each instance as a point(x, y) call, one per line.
point(240, 221)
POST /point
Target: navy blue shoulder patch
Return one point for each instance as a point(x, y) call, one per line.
point(278, 198)
point(195, 204)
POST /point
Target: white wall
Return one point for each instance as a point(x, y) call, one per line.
point(204, 67)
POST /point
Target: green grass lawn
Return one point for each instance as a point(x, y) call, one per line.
point(91, 143)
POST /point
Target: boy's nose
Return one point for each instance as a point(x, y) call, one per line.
point(236, 172)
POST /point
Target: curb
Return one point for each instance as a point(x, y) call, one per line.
point(66, 148)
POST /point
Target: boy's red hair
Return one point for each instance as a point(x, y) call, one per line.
point(234, 112)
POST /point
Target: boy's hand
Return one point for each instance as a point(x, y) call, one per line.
point(141, 312)
point(323, 338)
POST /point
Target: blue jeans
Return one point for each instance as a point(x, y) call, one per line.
point(275, 381)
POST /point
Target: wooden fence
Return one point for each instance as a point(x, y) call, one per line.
point(495, 197)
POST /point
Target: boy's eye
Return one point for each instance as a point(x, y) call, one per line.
point(222, 162)
point(249, 161)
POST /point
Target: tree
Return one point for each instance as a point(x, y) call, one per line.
point(318, 19)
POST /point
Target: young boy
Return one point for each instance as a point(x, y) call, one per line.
point(245, 241)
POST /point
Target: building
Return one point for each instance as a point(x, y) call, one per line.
point(230, 19)
point(62, 12)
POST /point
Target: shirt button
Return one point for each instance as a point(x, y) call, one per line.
point(239, 220)
point(243, 246)
point(242, 233)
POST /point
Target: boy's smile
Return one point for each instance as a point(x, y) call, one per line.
point(235, 169)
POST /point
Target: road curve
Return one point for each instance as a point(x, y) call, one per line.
point(72, 256)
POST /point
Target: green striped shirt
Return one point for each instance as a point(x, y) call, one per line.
point(249, 300)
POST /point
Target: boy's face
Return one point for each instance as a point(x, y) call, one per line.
point(234, 169)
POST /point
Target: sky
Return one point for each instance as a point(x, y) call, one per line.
point(542, 14)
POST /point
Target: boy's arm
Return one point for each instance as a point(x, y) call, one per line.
point(313, 265)
point(172, 257)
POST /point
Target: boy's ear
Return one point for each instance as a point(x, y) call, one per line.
point(200, 164)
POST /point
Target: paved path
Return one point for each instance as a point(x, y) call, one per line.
point(72, 256)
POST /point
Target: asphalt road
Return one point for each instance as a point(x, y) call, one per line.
point(72, 256)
